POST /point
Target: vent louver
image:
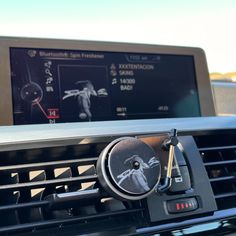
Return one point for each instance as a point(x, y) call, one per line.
point(218, 152)
point(29, 178)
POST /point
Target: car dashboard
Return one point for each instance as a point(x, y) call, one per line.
point(44, 168)
point(125, 141)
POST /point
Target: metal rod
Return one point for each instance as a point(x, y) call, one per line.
point(169, 144)
point(170, 161)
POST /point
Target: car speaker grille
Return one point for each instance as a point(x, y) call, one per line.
point(218, 152)
point(28, 178)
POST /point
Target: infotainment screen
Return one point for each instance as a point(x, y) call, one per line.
point(53, 86)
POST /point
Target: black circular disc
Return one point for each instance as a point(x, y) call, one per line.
point(134, 166)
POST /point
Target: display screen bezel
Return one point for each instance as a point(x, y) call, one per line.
point(201, 71)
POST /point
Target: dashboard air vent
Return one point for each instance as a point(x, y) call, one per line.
point(57, 188)
point(218, 152)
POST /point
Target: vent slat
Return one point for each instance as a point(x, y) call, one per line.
point(53, 182)
point(47, 165)
point(214, 163)
point(225, 195)
point(31, 181)
point(49, 201)
point(218, 152)
point(18, 206)
point(216, 148)
point(51, 223)
point(225, 178)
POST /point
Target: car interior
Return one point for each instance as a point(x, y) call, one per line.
point(101, 138)
point(117, 118)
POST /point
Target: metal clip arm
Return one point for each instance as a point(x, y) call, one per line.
point(169, 144)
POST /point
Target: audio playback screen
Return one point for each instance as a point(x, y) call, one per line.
point(53, 86)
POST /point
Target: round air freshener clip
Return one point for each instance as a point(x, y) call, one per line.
point(129, 169)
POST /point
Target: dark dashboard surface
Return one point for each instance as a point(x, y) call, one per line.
point(207, 133)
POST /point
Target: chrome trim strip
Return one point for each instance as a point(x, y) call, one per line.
point(85, 132)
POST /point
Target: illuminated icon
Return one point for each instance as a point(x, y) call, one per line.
point(48, 64)
point(177, 206)
point(114, 81)
point(52, 121)
point(31, 92)
point(113, 73)
point(53, 113)
point(49, 89)
point(49, 80)
point(112, 67)
point(32, 53)
point(48, 72)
